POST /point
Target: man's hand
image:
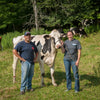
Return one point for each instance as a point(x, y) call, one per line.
point(17, 55)
point(35, 59)
point(22, 59)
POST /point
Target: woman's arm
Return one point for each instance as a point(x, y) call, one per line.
point(78, 59)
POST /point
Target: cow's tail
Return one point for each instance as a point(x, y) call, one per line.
point(13, 40)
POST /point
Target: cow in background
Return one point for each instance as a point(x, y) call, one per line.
point(0, 43)
point(87, 22)
point(78, 32)
point(47, 46)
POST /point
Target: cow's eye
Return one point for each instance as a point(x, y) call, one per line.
point(60, 38)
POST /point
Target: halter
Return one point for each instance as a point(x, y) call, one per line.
point(57, 41)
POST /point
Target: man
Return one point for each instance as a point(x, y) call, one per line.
point(72, 52)
point(26, 51)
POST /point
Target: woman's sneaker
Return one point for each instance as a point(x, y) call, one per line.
point(76, 91)
point(30, 90)
point(22, 92)
point(67, 90)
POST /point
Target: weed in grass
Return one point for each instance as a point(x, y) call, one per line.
point(96, 69)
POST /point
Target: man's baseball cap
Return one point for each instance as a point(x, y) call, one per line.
point(27, 33)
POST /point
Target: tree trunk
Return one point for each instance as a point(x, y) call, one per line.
point(35, 13)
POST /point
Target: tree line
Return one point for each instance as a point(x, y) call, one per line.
point(49, 14)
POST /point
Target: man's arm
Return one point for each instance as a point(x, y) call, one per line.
point(78, 59)
point(17, 55)
point(36, 55)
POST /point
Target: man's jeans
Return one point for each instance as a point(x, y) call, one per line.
point(26, 75)
point(68, 64)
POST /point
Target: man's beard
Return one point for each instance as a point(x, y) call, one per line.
point(28, 40)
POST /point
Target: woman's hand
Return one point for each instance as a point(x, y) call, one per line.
point(77, 63)
point(62, 43)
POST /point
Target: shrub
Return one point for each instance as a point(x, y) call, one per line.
point(7, 39)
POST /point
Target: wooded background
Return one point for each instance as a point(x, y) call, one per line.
point(19, 15)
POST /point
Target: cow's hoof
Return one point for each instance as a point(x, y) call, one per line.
point(14, 81)
point(54, 84)
point(42, 85)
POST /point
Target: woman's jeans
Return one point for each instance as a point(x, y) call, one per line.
point(68, 64)
point(26, 75)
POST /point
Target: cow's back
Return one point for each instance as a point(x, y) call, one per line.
point(18, 39)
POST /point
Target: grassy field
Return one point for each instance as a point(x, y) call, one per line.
point(89, 71)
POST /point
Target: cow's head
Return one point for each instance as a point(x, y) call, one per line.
point(57, 36)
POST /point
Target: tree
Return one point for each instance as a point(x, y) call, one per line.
point(35, 13)
point(49, 14)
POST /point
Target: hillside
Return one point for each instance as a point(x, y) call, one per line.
point(89, 70)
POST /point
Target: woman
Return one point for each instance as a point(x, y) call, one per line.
point(72, 52)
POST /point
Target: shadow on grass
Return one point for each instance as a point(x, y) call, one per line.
point(93, 80)
point(59, 77)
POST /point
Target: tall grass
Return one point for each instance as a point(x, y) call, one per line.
point(96, 69)
point(8, 38)
point(40, 31)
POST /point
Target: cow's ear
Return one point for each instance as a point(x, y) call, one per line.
point(32, 37)
point(63, 35)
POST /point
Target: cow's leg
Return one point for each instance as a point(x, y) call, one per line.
point(41, 63)
point(80, 35)
point(52, 76)
point(15, 60)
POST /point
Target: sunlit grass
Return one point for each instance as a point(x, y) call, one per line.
point(89, 70)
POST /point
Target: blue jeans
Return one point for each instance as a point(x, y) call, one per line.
point(26, 75)
point(68, 64)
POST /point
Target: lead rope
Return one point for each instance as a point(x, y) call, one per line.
point(73, 64)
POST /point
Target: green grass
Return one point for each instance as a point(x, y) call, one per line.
point(89, 70)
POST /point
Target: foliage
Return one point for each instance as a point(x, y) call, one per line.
point(12, 14)
point(92, 28)
point(19, 15)
point(8, 38)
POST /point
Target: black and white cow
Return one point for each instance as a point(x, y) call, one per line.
point(78, 31)
point(47, 47)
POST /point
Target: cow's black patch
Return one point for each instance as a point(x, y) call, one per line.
point(46, 36)
point(79, 31)
point(38, 43)
point(32, 37)
point(47, 45)
point(34, 42)
point(82, 32)
point(42, 57)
